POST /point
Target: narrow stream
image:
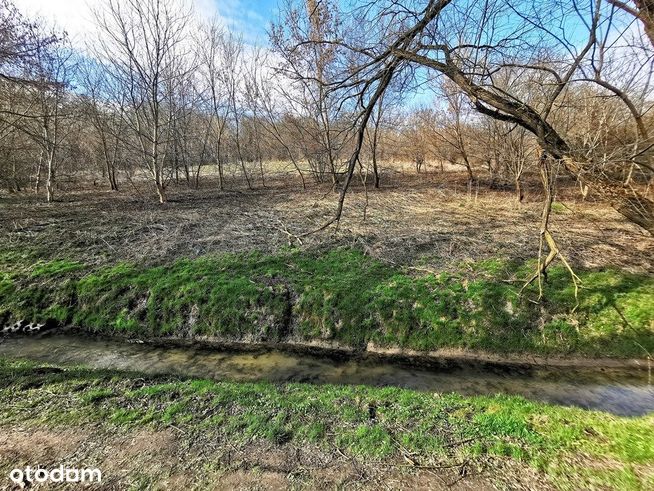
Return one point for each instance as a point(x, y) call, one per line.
point(622, 392)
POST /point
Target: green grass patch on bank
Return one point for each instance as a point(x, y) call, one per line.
point(577, 449)
point(341, 295)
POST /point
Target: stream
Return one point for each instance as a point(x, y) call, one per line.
point(619, 391)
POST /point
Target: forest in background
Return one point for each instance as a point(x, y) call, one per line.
point(155, 98)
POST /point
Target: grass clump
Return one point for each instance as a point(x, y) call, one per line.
point(55, 268)
point(344, 296)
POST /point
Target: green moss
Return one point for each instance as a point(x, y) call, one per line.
point(346, 296)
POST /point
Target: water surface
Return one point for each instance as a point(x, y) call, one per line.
point(622, 392)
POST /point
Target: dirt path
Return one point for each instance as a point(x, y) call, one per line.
point(173, 459)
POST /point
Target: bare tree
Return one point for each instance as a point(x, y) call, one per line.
point(104, 117)
point(214, 94)
point(21, 41)
point(231, 76)
point(513, 151)
point(24, 46)
point(311, 68)
point(469, 43)
point(384, 115)
point(50, 79)
point(458, 111)
point(143, 44)
point(643, 10)
point(266, 99)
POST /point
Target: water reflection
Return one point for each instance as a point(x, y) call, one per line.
point(623, 392)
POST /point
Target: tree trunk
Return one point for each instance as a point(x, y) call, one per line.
point(114, 183)
point(111, 176)
point(471, 176)
point(263, 179)
point(221, 177)
point(187, 174)
point(37, 184)
point(375, 140)
point(630, 173)
point(49, 184)
point(518, 190)
point(245, 174)
point(644, 10)
point(161, 192)
point(50, 180)
point(375, 171)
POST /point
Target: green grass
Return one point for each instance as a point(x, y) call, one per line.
point(55, 268)
point(559, 208)
point(340, 295)
point(576, 449)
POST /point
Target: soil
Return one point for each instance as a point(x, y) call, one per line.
point(173, 459)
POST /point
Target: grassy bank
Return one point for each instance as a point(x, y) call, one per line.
point(570, 447)
point(340, 295)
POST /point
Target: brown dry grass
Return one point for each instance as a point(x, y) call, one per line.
point(431, 221)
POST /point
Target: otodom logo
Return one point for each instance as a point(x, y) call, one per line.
point(61, 474)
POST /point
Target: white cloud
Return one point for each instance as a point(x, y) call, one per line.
point(76, 16)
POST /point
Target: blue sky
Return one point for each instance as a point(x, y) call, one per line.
point(250, 18)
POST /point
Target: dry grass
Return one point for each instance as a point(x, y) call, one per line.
point(431, 221)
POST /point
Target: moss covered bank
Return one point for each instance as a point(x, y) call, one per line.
point(341, 296)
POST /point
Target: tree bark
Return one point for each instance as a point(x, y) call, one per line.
point(161, 192)
point(644, 10)
point(50, 180)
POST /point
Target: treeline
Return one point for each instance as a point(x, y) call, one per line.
point(157, 96)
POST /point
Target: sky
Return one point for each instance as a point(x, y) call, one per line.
point(247, 17)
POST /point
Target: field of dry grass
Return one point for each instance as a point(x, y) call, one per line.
point(431, 221)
